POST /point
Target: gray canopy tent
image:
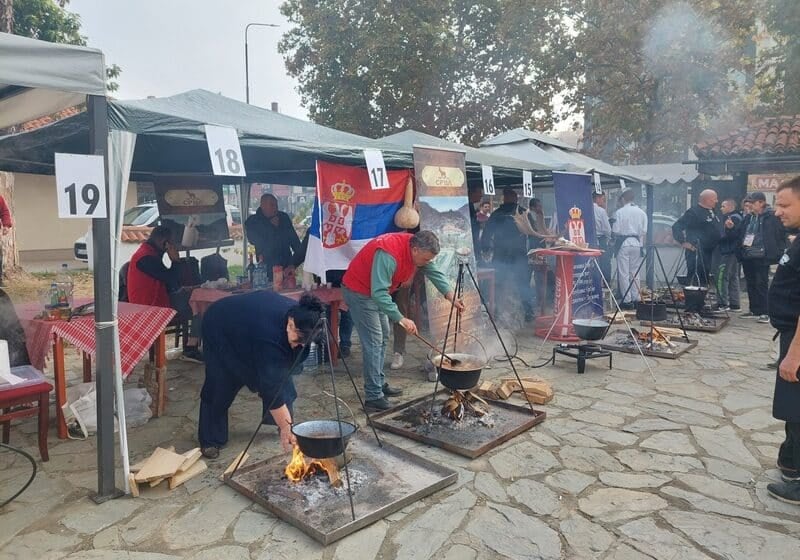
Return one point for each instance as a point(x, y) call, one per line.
point(37, 79)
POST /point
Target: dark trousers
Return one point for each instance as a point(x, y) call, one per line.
point(698, 265)
point(515, 277)
point(402, 298)
point(604, 260)
point(756, 274)
point(784, 407)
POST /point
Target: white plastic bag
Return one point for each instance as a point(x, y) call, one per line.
point(81, 407)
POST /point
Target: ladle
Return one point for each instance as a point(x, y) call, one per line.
point(453, 361)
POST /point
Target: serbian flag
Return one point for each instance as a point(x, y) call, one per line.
point(348, 213)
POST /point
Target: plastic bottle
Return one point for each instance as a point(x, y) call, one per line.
point(251, 269)
point(53, 295)
point(311, 362)
point(260, 277)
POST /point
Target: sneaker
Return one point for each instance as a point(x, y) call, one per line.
point(788, 492)
point(378, 404)
point(763, 319)
point(748, 315)
point(210, 452)
point(192, 354)
point(788, 474)
point(433, 376)
point(735, 308)
point(397, 361)
point(391, 391)
point(344, 351)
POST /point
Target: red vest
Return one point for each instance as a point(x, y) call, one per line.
point(142, 288)
point(358, 277)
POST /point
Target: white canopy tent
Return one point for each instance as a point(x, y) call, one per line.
point(37, 79)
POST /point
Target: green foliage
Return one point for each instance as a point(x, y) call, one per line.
point(49, 20)
point(778, 77)
point(452, 68)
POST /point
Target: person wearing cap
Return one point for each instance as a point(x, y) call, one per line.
point(699, 231)
point(377, 271)
point(761, 243)
point(255, 340)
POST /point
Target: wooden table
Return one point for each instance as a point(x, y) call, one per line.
point(140, 328)
point(202, 298)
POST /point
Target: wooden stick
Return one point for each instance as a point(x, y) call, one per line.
point(182, 477)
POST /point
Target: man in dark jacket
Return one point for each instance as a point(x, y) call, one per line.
point(784, 309)
point(699, 231)
point(274, 236)
point(761, 243)
point(509, 251)
point(728, 271)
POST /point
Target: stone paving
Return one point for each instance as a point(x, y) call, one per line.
point(624, 468)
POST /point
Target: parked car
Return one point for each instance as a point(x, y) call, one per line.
point(145, 215)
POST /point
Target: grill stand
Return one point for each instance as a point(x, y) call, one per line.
point(581, 353)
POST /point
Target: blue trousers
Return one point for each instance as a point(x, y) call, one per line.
point(373, 331)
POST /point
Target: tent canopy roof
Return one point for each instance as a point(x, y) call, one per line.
point(665, 173)
point(276, 148)
point(522, 134)
point(64, 76)
point(506, 170)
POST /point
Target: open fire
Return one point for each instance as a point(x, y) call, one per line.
point(462, 402)
point(301, 468)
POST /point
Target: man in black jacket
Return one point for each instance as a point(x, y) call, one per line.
point(761, 243)
point(699, 231)
point(728, 271)
point(274, 236)
point(784, 309)
point(509, 251)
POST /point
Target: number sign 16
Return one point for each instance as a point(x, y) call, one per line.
point(488, 179)
point(80, 186)
point(224, 150)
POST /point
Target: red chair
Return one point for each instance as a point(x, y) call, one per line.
point(23, 402)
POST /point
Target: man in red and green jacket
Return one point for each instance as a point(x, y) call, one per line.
point(378, 270)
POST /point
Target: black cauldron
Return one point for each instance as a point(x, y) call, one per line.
point(320, 439)
point(465, 375)
point(590, 329)
point(651, 311)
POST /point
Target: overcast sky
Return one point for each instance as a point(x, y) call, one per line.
point(165, 47)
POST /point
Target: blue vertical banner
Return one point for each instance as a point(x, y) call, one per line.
point(575, 216)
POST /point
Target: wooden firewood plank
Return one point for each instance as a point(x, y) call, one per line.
point(133, 486)
point(230, 468)
point(136, 467)
point(191, 457)
point(181, 477)
point(161, 464)
point(487, 390)
point(333, 472)
point(504, 390)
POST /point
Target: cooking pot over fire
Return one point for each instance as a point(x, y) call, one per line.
point(470, 357)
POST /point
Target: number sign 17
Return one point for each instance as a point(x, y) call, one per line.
point(376, 169)
point(224, 150)
point(80, 186)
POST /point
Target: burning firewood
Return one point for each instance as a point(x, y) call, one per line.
point(461, 402)
point(299, 469)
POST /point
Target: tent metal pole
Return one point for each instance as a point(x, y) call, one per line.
point(649, 242)
point(103, 315)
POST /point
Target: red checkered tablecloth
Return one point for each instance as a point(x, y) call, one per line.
point(139, 327)
point(202, 298)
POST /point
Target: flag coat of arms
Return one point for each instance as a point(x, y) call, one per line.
point(348, 213)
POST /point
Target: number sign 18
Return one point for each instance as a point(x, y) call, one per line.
point(224, 150)
point(80, 186)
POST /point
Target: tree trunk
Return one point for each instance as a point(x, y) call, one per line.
point(8, 242)
point(7, 16)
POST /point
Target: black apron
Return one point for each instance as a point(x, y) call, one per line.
point(784, 309)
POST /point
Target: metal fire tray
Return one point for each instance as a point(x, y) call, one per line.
point(718, 323)
point(609, 343)
point(468, 437)
point(383, 480)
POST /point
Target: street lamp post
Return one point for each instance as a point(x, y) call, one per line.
point(246, 57)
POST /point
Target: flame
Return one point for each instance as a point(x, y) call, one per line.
point(299, 469)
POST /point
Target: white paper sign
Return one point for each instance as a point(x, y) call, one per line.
point(224, 151)
point(598, 186)
point(527, 184)
point(622, 184)
point(376, 169)
point(488, 179)
point(644, 191)
point(80, 186)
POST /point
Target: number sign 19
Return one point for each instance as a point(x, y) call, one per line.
point(376, 169)
point(224, 150)
point(80, 186)
point(488, 179)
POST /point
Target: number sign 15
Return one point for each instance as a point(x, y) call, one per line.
point(80, 186)
point(527, 184)
point(224, 150)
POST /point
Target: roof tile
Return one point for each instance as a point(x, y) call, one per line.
point(774, 135)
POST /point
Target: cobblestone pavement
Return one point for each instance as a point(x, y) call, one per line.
point(624, 468)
